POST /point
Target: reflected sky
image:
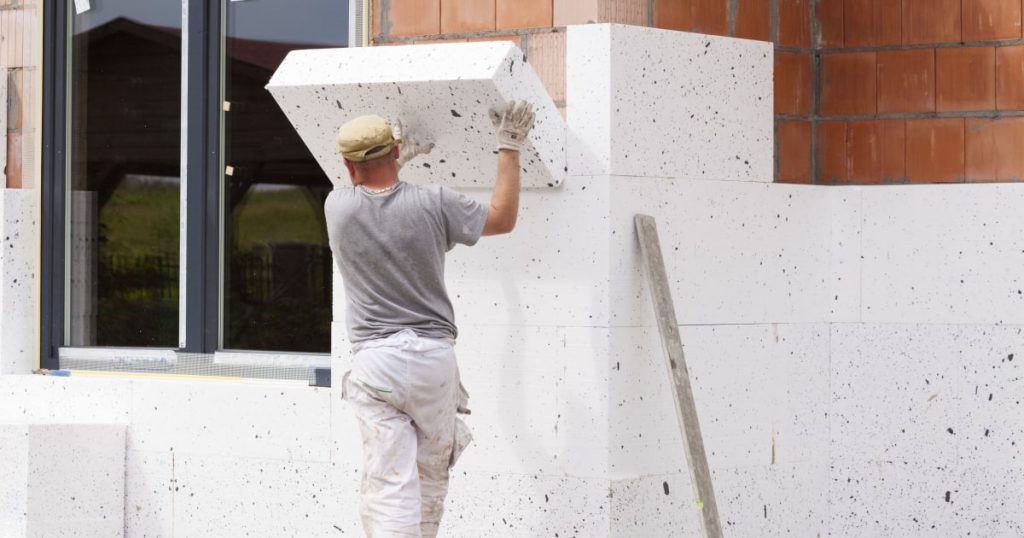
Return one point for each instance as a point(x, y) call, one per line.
point(268, 20)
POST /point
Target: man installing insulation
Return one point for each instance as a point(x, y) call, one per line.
point(389, 240)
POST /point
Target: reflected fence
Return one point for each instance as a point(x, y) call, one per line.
point(285, 271)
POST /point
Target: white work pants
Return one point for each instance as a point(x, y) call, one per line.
point(404, 391)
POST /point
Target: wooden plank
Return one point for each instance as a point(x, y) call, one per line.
point(664, 310)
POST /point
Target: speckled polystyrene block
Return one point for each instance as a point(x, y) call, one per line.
point(945, 394)
point(502, 504)
point(551, 270)
point(762, 500)
point(659, 103)
point(943, 254)
point(149, 493)
point(761, 394)
point(18, 303)
point(234, 496)
point(47, 399)
point(735, 252)
point(62, 480)
point(442, 91)
point(14, 464)
point(845, 265)
point(291, 421)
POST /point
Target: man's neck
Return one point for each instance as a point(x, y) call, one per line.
point(378, 181)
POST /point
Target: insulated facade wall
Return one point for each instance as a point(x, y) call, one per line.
point(926, 385)
point(842, 370)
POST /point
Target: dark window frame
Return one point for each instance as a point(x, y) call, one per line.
point(202, 181)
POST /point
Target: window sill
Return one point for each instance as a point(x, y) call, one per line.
point(272, 359)
point(127, 357)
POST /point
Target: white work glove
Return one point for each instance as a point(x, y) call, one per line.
point(512, 124)
point(409, 143)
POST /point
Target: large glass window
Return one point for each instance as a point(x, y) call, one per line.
point(181, 208)
point(277, 264)
point(124, 175)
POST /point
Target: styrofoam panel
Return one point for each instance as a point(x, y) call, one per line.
point(229, 418)
point(645, 436)
point(63, 528)
point(526, 506)
point(15, 528)
point(992, 365)
point(654, 505)
point(500, 504)
point(845, 268)
point(801, 428)
point(761, 394)
point(776, 500)
point(990, 500)
point(735, 252)
point(713, 244)
point(582, 434)
point(797, 274)
point(504, 299)
point(149, 484)
point(238, 496)
point(686, 105)
point(887, 498)
point(512, 375)
point(943, 254)
point(14, 464)
point(551, 270)
point(897, 391)
point(932, 394)
point(443, 91)
point(588, 99)
point(18, 290)
point(46, 399)
point(76, 480)
point(559, 233)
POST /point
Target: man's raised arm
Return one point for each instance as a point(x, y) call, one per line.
point(512, 125)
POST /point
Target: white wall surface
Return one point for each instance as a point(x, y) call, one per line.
point(19, 335)
point(61, 480)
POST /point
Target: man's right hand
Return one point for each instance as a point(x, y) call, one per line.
point(513, 124)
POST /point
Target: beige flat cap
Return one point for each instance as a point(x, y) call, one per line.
point(365, 138)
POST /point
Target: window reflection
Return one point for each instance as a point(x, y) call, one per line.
point(278, 268)
point(124, 174)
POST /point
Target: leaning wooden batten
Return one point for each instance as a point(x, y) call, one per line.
point(686, 410)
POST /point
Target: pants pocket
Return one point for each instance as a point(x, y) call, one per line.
point(462, 439)
point(344, 385)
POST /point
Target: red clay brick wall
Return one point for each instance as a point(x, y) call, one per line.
point(919, 91)
point(866, 91)
point(537, 26)
point(19, 34)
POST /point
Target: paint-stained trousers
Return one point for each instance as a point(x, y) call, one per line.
point(405, 392)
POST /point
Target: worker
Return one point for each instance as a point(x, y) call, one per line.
point(389, 240)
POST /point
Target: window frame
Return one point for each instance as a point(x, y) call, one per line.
point(201, 266)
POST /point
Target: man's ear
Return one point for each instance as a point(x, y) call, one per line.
point(351, 169)
point(395, 152)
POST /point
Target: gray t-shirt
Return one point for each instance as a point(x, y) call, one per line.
point(390, 250)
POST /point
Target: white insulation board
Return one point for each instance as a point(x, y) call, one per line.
point(442, 91)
